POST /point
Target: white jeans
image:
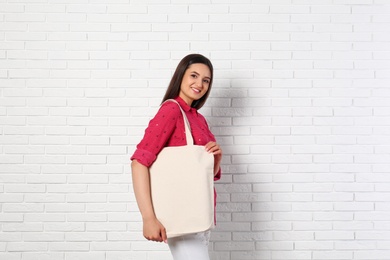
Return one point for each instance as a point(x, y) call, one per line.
point(190, 247)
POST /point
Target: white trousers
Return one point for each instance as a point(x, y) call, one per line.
point(190, 247)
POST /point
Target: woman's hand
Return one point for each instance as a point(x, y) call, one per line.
point(154, 230)
point(214, 148)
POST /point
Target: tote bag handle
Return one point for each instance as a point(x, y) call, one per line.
point(187, 127)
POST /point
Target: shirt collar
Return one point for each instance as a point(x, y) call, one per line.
point(183, 104)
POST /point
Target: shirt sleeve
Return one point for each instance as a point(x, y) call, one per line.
point(157, 134)
point(218, 175)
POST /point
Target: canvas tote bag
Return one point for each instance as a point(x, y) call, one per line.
point(182, 186)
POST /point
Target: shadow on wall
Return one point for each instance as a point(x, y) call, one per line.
point(230, 118)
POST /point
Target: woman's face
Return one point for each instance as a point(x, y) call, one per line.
point(195, 82)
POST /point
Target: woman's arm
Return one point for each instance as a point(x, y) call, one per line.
point(152, 228)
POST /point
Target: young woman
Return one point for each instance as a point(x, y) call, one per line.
point(190, 86)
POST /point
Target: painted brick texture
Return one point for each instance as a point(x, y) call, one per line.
point(300, 105)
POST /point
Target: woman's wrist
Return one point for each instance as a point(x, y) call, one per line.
point(148, 217)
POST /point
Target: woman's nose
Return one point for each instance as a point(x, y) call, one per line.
point(199, 83)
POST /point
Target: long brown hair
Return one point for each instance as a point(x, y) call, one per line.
point(173, 89)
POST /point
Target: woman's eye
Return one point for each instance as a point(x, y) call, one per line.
point(193, 75)
point(206, 81)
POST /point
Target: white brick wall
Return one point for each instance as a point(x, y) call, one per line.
point(301, 106)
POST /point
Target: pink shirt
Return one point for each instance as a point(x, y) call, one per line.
point(167, 129)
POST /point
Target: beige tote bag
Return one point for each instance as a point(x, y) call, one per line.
point(182, 187)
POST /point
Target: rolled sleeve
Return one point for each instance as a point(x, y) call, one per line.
point(144, 157)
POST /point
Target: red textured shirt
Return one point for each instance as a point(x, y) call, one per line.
point(167, 129)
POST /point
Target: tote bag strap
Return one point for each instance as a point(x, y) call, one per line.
point(189, 139)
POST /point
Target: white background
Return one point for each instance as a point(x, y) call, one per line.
point(300, 105)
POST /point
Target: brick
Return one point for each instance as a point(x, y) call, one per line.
point(353, 226)
point(37, 237)
point(341, 177)
point(13, 27)
point(66, 18)
point(161, 27)
point(25, 207)
point(274, 246)
point(144, 245)
point(333, 216)
point(311, 149)
point(293, 235)
point(23, 17)
point(296, 140)
point(69, 246)
point(44, 198)
point(27, 246)
point(86, 8)
point(13, 198)
point(373, 196)
point(233, 55)
point(354, 206)
point(381, 245)
point(272, 226)
point(10, 159)
point(299, 216)
point(371, 254)
point(291, 197)
point(251, 178)
point(317, 225)
point(302, 64)
point(32, 159)
point(309, 55)
point(309, 187)
point(292, 178)
point(307, 245)
point(90, 178)
point(246, 255)
point(241, 246)
point(110, 246)
point(73, 255)
point(382, 187)
point(65, 207)
point(242, 217)
point(352, 37)
point(337, 196)
point(332, 255)
point(11, 237)
point(242, 197)
point(44, 217)
point(128, 255)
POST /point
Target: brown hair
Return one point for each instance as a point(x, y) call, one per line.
point(173, 89)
